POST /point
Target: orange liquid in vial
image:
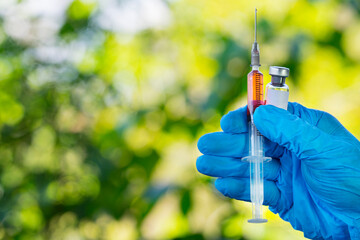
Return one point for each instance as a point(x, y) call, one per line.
point(255, 90)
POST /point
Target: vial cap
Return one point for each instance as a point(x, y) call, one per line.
point(279, 71)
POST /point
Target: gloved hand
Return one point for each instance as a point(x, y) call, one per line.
point(313, 180)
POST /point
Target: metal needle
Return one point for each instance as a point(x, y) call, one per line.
point(255, 23)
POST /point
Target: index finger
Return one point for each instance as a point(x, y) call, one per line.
point(233, 145)
point(235, 121)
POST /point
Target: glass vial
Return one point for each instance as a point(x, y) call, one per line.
point(277, 92)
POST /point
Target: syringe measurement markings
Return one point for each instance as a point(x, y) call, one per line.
point(258, 85)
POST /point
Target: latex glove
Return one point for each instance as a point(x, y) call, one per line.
point(313, 180)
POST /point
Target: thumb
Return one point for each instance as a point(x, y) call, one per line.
point(322, 120)
point(290, 131)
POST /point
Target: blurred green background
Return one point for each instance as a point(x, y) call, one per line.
point(102, 103)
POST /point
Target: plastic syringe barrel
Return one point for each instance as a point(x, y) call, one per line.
point(256, 159)
point(256, 173)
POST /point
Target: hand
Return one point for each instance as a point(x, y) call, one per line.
point(313, 180)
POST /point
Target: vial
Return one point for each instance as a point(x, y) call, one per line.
point(277, 92)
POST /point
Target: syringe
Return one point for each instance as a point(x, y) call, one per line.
point(256, 154)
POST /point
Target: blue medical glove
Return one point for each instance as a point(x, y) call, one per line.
point(313, 180)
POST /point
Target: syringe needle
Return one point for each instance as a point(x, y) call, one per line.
point(255, 23)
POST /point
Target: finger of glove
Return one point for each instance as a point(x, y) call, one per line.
point(322, 120)
point(311, 116)
point(239, 188)
point(235, 121)
point(215, 166)
point(329, 124)
point(290, 131)
point(233, 145)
